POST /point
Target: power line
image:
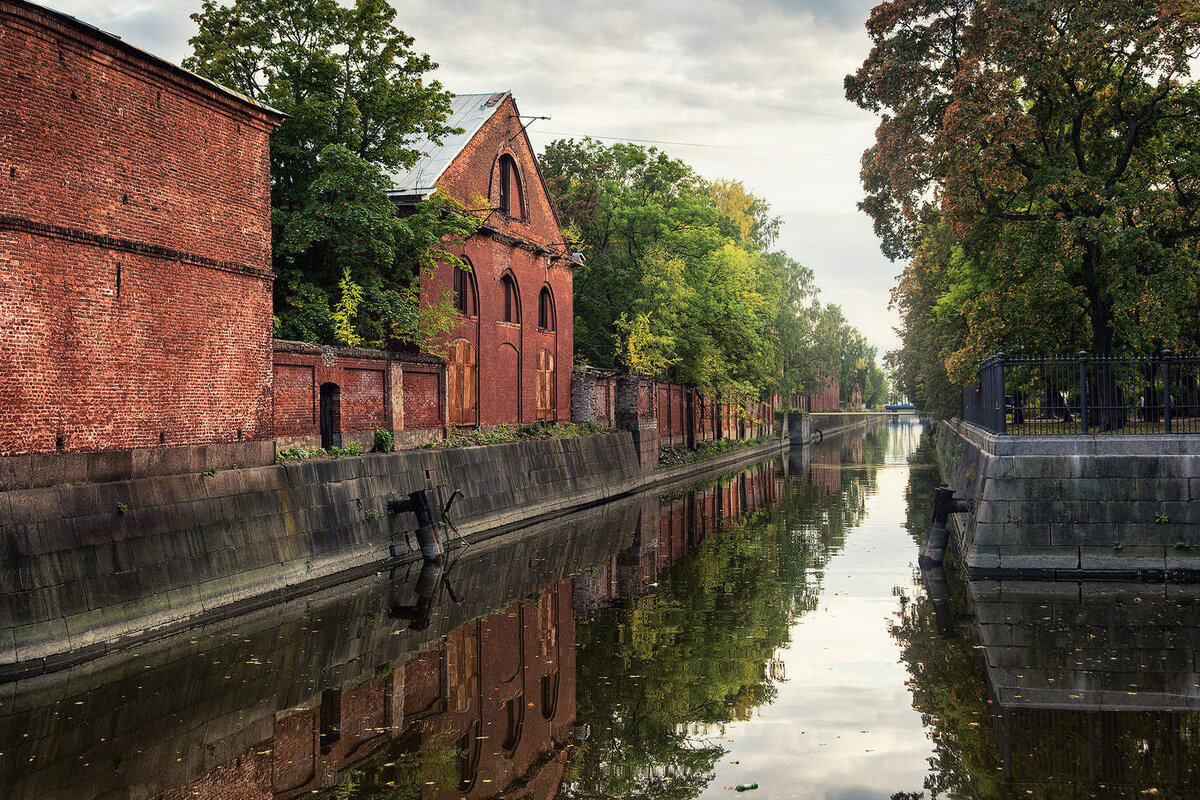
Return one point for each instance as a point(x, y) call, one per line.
point(693, 144)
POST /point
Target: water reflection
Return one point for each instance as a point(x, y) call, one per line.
point(407, 685)
point(607, 655)
point(1054, 689)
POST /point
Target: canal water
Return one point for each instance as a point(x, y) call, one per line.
point(764, 629)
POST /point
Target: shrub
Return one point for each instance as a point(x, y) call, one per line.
point(384, 441)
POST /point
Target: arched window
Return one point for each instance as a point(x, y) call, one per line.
point(465, 298)
point(512, 299)
point(511, 199)
point(546, 309)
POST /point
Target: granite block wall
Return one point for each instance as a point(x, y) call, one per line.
point(83, 568)
point(1102, 506)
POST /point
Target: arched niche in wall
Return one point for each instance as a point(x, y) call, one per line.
point(331, 415)
point(508, 405)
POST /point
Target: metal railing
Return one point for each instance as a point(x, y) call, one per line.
point(1062, 395)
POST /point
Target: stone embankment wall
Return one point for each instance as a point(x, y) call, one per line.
point(85, 567)
point(1075, 506)
point(90, 568)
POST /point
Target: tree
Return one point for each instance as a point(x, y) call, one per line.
point(684, 272)
point(1058, 140)
point(356, 99)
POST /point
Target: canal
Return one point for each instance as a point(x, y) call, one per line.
point(764, 628)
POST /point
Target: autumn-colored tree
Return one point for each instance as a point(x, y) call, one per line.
point(1059, 141)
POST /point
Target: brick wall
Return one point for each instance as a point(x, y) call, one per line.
point(375, 390)
point(422, 398)
point(528, 251)
point(592, 397)
point(135, 283)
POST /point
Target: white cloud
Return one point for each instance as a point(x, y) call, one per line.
point(761, 82)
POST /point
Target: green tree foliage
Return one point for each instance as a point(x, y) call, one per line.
point(681, 279)
point(356, 98)
point(1040, 162)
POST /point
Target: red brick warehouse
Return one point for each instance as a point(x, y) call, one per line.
point(509, 358)
point(135, 246)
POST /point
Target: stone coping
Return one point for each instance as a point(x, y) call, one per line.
point(1160, 444)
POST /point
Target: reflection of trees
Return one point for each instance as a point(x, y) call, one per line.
point(946, 685)
point(404, 771)
point(665, 671)
point(982, 750)
point(950, 694)
point(923, 478)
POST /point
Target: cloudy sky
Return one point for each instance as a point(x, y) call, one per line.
point(745, 90)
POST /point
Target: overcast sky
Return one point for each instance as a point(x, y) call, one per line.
point(750, 91)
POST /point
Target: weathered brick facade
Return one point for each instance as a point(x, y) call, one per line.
point(358, 391)
point(523, 352)
point(135, 244)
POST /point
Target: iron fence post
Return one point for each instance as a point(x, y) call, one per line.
point(998, 387)
point(1083, 415)
point(1166, 363)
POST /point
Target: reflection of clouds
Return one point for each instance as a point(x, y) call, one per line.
point(844, 673)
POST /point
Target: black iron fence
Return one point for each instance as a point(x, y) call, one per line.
point(1085, 394)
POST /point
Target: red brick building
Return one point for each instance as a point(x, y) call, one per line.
point(135, 246)
point(509, 359)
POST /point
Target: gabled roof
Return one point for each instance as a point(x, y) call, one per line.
point(467, 111)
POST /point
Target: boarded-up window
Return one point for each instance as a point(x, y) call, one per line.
point(545, 386)
point(461, 372)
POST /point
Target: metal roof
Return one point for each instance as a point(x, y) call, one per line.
point(467, 111)
point(120, 43)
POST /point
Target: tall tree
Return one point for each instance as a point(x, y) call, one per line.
point(680, 278)
point(1059, 139)
point(356, 98)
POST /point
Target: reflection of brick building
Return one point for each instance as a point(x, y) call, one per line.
point(135, 246)
point(509, 359)
point(490, 709)
point(671, 528)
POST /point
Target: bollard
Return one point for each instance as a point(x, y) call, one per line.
point(933, 551)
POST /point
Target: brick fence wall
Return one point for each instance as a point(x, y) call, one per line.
point(402, 393)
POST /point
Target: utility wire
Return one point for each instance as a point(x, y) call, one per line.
point(692, 144)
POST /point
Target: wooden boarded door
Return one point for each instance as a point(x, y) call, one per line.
point(545, 386)
point(461, 372)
